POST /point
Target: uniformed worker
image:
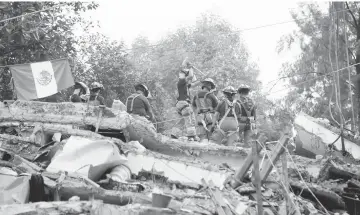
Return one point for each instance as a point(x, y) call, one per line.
point(95, 98)
point(204, 103)
point(138, 103)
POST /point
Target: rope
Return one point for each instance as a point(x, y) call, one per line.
point(302, 179)
point(274, 167)
point(349, 72)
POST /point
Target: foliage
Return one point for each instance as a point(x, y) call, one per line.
point(311, 75)
point(22, 40)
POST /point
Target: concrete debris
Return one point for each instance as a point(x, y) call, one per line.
point(126, 167)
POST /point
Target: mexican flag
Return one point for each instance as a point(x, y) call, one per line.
point(39, 80)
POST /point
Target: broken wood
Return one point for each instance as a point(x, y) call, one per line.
point(82, 207)
point(240, 173)
point(332, 170)
point(257, 181)
point(279, 149)
point(75, 186)
point(286, 182)
point(328, 198)
point(19, 162)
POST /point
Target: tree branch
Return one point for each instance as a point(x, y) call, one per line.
point(352, 15)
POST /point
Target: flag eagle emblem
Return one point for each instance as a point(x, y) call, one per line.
point(45, 78)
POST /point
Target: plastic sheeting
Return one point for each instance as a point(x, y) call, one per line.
point(14, 189)
point(87, 157)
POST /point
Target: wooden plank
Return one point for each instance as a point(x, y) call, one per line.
point(278, 150)
point(286, 182)
point(256, 173)
point(241, 172)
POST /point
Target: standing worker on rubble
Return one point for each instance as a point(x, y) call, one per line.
point(95, 99)
point(247, 118)
point(204, 103)
point(81, 93)
point(225, 122)
point(138, 103)
point(186, 77)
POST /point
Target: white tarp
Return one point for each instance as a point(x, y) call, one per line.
point(87, 157)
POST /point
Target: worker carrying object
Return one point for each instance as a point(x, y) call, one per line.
point(225, 122)
point(247, 118)
point(204, 103)
point(95, 98)
point(81, 93)
point(186, 77)
point(138, 103)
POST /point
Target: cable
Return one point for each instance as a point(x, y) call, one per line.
point(282, 183)
point(27, 14)
point(238, 31)
point(302, 179)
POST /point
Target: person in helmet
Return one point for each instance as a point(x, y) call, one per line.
point(81, 93)
point(95, 97)
point(183, 107)
point(248, 113)
point(138, 103)
point(204, 103)
point(225, 121)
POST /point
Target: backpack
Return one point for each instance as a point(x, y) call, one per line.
point(248, 105)
point(132, 97)
point(201, 103)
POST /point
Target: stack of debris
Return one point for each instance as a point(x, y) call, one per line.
point(68, 158)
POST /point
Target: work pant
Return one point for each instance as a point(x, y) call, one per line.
point(245, 129)
point(204, 119)
point(184, 109)
point(227, 133)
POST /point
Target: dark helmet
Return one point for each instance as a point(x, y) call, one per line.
point(244, 88)
point(208, 82)
point(96, 85)
point(229, 90)
point(142, 88)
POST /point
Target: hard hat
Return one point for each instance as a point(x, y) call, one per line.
point(96, 85)
point(229, 90)
point(209, 81)
point(244, 87)
point(142, 88)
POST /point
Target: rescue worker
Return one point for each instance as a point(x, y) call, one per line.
point(248, 113)
point(204, 103)
point(81, 93)
point(186, 77)
point(138, 103)
point(95, 99)
point(225, 121)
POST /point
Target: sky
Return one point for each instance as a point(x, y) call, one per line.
point(126, 19)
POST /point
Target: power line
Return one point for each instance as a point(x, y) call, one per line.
point(28, 14)
point(314, 78)
point(238, 31)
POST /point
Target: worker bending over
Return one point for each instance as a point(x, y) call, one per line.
point(225, 122)
point(247, 118)
point(138, 103)
point(95, 98)
point(205, 103)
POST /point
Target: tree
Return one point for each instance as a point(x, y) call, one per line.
point(321, 36)
point(212, 45)
point(22, 40)
point(102, 60)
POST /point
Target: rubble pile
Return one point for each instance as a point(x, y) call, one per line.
point(53, 162)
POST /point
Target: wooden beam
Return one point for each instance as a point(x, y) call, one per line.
point(278, 150)
point(241, 172)
point(256, 173)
